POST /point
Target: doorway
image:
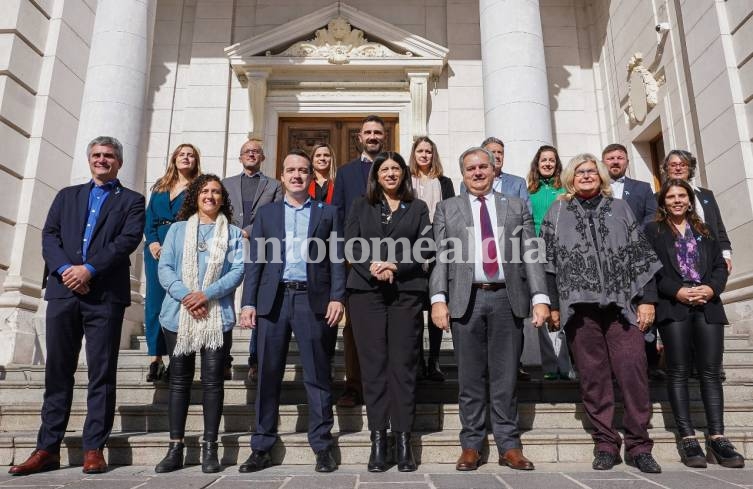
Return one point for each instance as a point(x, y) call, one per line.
point(340, 132)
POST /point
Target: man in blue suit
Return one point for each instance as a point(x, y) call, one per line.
point(295, 282)
point(91, 230)
point(505, 183)
point(642, 201)
point(638, 195)
point(350, 184)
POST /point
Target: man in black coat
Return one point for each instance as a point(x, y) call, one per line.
point(90, 232)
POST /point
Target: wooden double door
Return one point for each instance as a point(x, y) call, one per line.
point(340, 132)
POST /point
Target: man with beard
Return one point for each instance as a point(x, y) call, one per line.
point(248, 191)
point(349, 185)
point(642, 202)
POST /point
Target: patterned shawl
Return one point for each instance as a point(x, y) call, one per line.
point(612, 270)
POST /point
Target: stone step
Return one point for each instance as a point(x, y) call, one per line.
point(541, 446)
point(294, 418)
point(21, 391)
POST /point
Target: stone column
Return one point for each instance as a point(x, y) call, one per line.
point(117, 79)
point(257, 100)
point(516, 94)
point(419, 93)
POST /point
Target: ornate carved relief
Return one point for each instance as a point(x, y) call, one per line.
point(643, 89)
point(339, 42)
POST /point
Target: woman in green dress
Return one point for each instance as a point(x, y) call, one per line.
point(544, 187)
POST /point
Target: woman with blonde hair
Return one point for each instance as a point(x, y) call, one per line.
point(600, 275)
point(167, 198)
point(325, 168)
point(431, 186)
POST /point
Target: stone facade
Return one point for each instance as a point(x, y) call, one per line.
point(155, 73)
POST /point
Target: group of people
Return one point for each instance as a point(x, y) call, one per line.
point(600, 265)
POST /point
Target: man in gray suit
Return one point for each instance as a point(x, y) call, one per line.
point(485, 279)
point(248, 191)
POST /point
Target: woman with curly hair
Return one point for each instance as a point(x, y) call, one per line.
point(166, 200)
point(691, 318)
point(544, 186)
point(200, 268)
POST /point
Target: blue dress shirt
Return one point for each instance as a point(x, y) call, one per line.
point(296, 231)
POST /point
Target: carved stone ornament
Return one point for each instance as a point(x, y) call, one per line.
point(338, 43)
point(643, 89)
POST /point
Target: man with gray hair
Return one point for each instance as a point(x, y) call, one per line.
point(90, 232)
point(484, 296)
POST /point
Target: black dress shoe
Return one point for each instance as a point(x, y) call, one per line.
point(405, 460)
point(173, 460)
point(325, 462)
point(605, 460)
point(258, 460)
point(645, 463)
point(691, 453)
point(378, 457)
point(523, 375)
point(210, 462)
point(721, 451)
point(433, 372)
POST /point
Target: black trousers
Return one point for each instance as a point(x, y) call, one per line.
point(681, 340)
point(68, 321)
point(387, 325)
point(182, 369)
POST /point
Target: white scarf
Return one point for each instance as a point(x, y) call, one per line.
point(195, 334)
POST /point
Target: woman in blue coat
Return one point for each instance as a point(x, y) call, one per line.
point(167, 198)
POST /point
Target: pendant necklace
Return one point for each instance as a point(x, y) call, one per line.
point(202, 246)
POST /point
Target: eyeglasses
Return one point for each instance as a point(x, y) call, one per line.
point(678, 164)
point(589, 172)
point(249, 152)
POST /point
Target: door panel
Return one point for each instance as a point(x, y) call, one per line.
point(341, 133)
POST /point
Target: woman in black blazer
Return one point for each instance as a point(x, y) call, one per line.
point(387, 287)
point(431, 186)
point(691, 319)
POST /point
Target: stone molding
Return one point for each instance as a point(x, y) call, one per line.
point(643, 89)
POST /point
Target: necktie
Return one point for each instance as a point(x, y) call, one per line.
point(488, 247)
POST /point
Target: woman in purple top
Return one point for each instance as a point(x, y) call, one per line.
point(691, 319)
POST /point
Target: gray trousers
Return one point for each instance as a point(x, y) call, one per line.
point(487, 342)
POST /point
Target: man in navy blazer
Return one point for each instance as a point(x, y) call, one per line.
point(637, 194)
point(91, 230)
point(350, 184)
point(295, 282)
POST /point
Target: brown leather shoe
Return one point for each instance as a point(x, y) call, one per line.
point(94, 462)
point(469, 459)
point(515, 459)
point(38, 461)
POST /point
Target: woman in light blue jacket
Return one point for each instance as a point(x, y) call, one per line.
point(200, 267)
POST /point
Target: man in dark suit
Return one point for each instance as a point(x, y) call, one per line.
point(248, 191)
point(91, 230)
point(637, 194)
point(295, 283)
point(484, 295)
point(642, 202)
point(349, 185)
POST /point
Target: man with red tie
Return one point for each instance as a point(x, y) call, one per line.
point(483, 295)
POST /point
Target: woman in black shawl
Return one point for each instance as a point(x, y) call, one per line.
point(600, 270)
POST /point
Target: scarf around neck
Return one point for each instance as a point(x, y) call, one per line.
point(195, 334)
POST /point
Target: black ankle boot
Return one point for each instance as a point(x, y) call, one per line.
point(721, 451)
point(209, 461)
point(173, 460)
point(405, 460)
point(378, 458)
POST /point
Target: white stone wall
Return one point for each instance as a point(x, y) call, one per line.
point(44, 48)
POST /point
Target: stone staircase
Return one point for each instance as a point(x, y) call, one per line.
point(553, 419)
